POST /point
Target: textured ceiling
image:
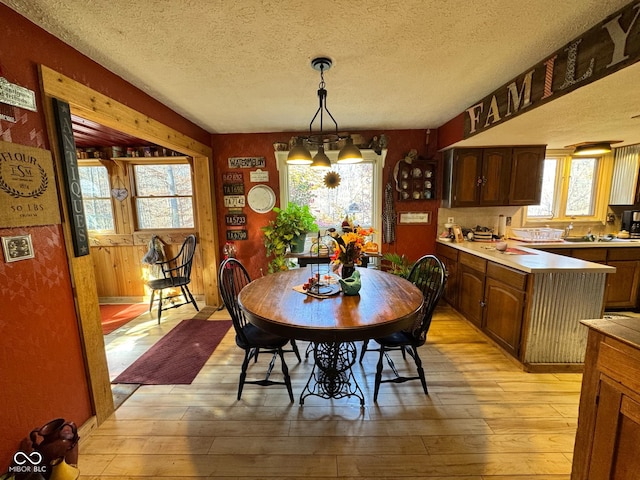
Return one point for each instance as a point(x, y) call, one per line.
point(244, 65)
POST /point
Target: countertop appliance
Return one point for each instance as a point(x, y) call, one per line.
point(631, 222)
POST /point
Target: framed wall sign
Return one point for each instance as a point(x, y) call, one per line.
point(414, 218)
point(235, 219)
point(233, 235)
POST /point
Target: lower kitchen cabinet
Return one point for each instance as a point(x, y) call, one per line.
point(623, 286)
point(449, 257)
point(504, 302)
point(608, 432)
point(471, 276)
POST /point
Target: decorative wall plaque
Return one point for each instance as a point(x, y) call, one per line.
point(27, 187)
point(69, 158)
point(233, 188)
point(232, 177)
point(235, 219)
point(247, 162)
point(234, 201)
point(233, 235)
point(258, 176)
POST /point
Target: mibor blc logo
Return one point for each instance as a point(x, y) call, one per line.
point(27, 463)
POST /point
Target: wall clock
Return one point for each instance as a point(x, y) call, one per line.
point(261, 198)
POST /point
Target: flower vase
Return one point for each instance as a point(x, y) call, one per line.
point(347, 270)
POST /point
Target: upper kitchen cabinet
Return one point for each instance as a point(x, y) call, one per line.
point(493, 176)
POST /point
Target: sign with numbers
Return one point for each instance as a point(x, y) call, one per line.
point(235, 219)
point(233, 188)
point(233, 235)
point(232, 177)
point(234, 201)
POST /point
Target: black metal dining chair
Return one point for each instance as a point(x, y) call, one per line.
point(232, 277)
point(176, 274)
point(429, 275)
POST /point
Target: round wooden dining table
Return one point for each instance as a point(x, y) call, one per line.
point(385, 304)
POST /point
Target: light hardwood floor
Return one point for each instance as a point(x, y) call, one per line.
point(483, 419)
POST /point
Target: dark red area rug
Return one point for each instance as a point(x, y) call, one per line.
point(113, 316)
point(177, 357)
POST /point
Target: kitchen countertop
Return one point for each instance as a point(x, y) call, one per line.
point(536, 261)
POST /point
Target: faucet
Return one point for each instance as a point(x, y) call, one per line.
point(567, 230)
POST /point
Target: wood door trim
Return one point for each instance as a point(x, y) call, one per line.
point(97, 107)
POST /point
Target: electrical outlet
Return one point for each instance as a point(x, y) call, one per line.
point(451, 220)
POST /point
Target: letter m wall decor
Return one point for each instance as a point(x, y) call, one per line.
point(71, 177)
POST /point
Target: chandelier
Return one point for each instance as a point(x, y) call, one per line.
point(300, 154)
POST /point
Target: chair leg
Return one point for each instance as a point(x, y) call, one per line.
point(364, 349)
point(294, 347)
point(423, 380)
point(378, 375)
point(187, 296)
point(308, 351)
point(159, 305)
point(153, 294)
point(243, 372)
point(285, 372)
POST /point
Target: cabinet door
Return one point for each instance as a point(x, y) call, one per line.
point(616, 437)
point(496, 176)
point(451, 287)
point(502, 321)
point(467, 170)
point(622, 286)
point(470, 300)
point(526, 175)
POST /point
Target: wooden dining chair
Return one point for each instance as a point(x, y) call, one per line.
point(176, 274)
point(232, 278)
point(429, 275)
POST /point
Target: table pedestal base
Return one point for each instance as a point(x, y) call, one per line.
point(331, 376)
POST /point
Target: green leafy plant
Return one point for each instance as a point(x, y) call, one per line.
point(290, 222)
point(398, 264)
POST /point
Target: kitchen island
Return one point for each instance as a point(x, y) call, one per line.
point(530, 302)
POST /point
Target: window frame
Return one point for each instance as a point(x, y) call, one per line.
point(182, 160)
point(377, 186)
point(96, 163)
point(601, 188)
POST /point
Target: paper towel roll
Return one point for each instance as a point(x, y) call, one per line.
point(502, 225)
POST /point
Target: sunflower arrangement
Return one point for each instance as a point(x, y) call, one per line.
point(350, 246)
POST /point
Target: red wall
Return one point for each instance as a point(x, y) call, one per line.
point(42, 373)
point(411, 240)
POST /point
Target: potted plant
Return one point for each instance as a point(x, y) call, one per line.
point(289, 229)
point(399, 264)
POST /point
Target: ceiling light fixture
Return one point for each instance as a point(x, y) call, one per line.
point(588, 149)
point(299, 154)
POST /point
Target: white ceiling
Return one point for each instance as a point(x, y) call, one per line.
point(244, 65)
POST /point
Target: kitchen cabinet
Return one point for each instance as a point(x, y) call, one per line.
point(492, 297)
point(623, 286)
point(471, 271)
point(527, 165)
point(493, 176)
point(504, 302)
point(608, 433)
point(449, 257)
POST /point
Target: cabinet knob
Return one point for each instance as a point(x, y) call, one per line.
point(482, 303)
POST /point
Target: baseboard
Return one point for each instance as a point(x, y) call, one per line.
point(86, 428)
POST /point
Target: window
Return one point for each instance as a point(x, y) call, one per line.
point(571, 189)
point(96, 196)
point(163, 196)
point(357, 195)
